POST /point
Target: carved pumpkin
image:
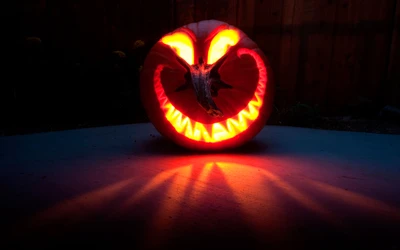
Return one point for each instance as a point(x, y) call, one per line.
point(207, 86)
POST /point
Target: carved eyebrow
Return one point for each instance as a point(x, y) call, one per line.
point(182, 43)
point(216, 31)
point(221, 42)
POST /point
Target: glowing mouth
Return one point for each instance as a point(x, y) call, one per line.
point(219, 131)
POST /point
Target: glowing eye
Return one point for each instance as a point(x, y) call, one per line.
point(182, 44)
point(220, 44)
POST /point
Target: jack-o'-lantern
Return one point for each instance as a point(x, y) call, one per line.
point(207, 86)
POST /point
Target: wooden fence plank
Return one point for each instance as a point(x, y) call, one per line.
point(323, 51)
point(140, 20)
point(125, 24)
point(345, 66)
point(245, 16)
point(61, 26)
point(267, 29)
point(317, 24)
point(289, 52)
point(184, 12)
point(393, 87)
point(155, 19)
point(93, 29)
point(360, 51)
point(376, 54)
point(222, 10)
point(31, 17)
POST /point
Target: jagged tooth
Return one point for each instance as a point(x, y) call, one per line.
point(242, 120)
point(202, 132)
point(235, 126)
point(178, 122)
point(197, 133)
point(206, 136)
point(177, 116)
point(230, 126)
point(174, 114)
point(189, 128)
point(253, 112)
point(163, 101)
point(260, 88)
point(259, 100)
point(170, 111)
point(246, 113)
point(219, 132)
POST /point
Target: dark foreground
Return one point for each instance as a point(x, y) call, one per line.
point(125, 186)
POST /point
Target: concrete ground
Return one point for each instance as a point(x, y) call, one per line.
point(126, 186)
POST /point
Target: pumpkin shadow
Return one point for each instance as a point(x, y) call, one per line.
point(164, 146)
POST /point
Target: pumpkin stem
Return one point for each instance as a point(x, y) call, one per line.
point(202, 84)
point(206, 82)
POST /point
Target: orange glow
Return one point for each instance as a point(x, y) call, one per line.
point(182, 44)
point(243, 180)
point(354, 199)
point(200, 184)
point(219, 131)
point(163, 177)
point(90, 201)
point(259, 195)
point(171, 203)
point(220, 44)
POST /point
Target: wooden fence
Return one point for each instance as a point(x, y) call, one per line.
point(333, 53)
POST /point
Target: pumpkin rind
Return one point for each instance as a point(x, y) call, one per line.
point(162, 73)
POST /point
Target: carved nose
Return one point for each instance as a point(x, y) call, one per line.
point(209, 106)
point(201, 61)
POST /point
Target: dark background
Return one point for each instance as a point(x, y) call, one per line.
point(70, 64)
